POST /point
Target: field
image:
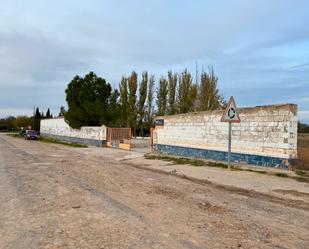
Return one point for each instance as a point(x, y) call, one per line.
point(303, 152)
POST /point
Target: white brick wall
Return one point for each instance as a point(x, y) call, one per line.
point(57, 126)
point(263, 130)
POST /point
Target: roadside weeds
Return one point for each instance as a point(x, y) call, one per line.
point(301, 176)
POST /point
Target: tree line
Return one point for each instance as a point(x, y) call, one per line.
point(93, 102)
point(12, 123)
point(303, 128)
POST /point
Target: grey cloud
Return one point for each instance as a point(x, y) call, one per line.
point(242, 39)
point(300, 66)
point(37, 59)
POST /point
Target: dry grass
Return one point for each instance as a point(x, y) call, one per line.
point(302, 162)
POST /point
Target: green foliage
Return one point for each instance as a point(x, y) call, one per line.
point(208, 97)
point(176, 160)
point(48, 114)
point(61, 112)
point(132, 110)
point(303, 128)
point(172, 85)
point(141, 101)
point(217, 165)
point(23, 122)
point(150, 100)
point(7, 124)
point(280, 174)
point(123, 88)
point(114, 109)
point(162, 96)
point(89, 101)
point(187, 93)
point(37, 120)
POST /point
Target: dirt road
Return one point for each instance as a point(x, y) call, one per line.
point(53, 196)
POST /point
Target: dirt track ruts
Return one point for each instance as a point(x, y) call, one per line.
point(53, 196)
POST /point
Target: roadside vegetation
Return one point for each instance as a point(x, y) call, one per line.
point(299, 175)
point(13, 124)
point(50, 140)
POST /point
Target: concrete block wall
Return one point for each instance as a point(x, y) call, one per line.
point(266, 135)
point(59, 129)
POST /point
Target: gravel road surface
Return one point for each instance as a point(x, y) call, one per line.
point(53, 196)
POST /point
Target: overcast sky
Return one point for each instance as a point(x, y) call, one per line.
point(259, 49)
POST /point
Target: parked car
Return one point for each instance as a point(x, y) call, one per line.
point(31, 135)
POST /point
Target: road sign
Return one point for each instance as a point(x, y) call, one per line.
point(231, 112)
point(230, 115)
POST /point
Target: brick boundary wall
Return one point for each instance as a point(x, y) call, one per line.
point(266, 136)
point(89, 135)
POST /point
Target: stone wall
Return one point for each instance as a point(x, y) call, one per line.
point(266, 135)
point(59, 129)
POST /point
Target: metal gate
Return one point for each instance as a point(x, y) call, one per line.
point(119, 138)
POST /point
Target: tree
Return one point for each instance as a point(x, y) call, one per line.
point(172, 84)
point(114, 108)
point(23, 122)
point(48, 115)
point(150, 97)
point(208, 96)
point(187, 92)
point(132, 85)
point(88, 100)
point(7, 124)
point(303, 128)
point(141, 101)
point(61, 112)
point(162, 96)
point(37, 120)
point(123, 88)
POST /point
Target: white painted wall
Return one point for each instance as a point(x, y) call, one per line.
point(263, 130)
point(58, 126)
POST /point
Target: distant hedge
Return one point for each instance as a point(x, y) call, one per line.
point(303, 128)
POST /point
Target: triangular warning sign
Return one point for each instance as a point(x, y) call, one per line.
point(231, 112)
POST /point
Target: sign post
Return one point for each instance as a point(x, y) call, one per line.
point(230, 115)
point(230, 146)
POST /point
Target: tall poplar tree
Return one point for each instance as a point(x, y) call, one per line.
point(123, 88)
point(208, 96)
point(172, 86)
point(187, 93)
point(162, 96)
point(132, 85)
point(150, 101)
point(141, 101)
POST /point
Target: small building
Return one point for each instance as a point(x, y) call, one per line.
point(266, 135)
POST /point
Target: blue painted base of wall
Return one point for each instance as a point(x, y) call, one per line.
point(94, 142)
point(222, 156)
